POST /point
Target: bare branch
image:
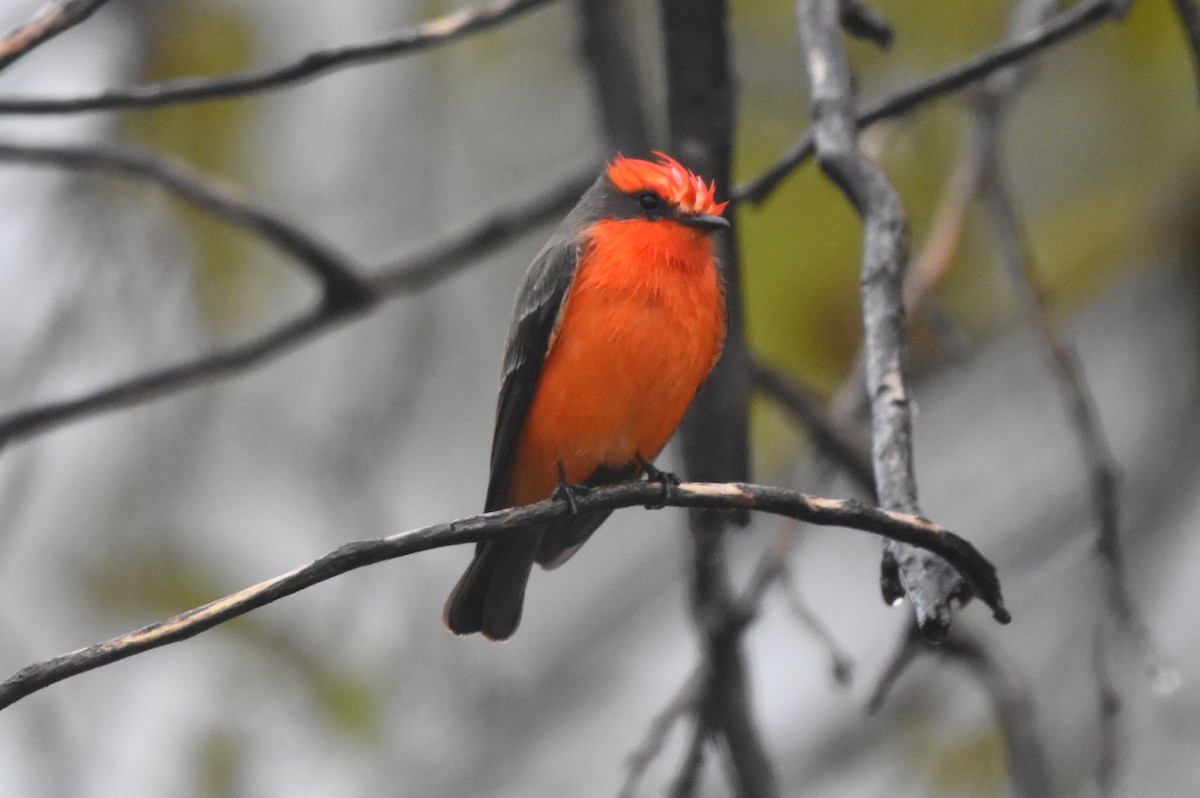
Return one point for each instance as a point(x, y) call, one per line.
point(930, 584)
point(343, 288)
point(1108, 760)
point(1071, 22)
point(715, 433)
point(1013, 706)
point(348, 557)
point(49, 22)
point(911, 645)
point(155, 383)
point(860, 20)
point(1084, 419)
point(445, 257)
point(688, 778)
point(831, 434)
point(406, 275)
point(841, 665)
point(612, 58)
point(640, 759)
point(198, 89)
point(1013, 703)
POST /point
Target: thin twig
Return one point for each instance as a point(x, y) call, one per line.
point(941, 245)
point(612, 58)
point(343, 287)
point(1189, 18)
point(441, 259)
point(49, 22)
point(320, 62)
point(834, 437)
point(1013, 706)
point(1109, 733)
point(931, 585)
point(770, 570)
point(1084, 419)
point(348, 557)
point(640, 759)
point(1071, 22)
point(912, 644)
point(841, 664)
point(688, 778)
point(860, 20)
point(405, 275)
point(1013, 703)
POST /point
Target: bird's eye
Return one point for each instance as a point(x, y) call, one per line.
point(649, 201)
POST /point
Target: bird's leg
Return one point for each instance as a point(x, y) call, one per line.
point(664, 478)
point(569, 490)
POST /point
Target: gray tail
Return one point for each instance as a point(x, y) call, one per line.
point(489, 596)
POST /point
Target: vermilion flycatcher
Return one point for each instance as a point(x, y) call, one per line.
point(618, 321)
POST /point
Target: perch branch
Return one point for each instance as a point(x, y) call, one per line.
point(348, 557)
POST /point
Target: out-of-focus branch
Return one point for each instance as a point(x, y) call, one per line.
point(929, 583)
point(1082, 415)
point(352, 294)
point(688, 778)
point(198, 89)
point(445, 257)
point(1189, 18)
point(835, 438)
point(1109, 700)
point(348, 557)
point(859, 19)
point(771, 570)
point(49, 22)
point(608, 48)
point(1013, 704)
point(639, 760)
point(1071, 22)
point(343, 287)
point(715, 433)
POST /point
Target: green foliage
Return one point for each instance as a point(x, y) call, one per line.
point(1095, 166)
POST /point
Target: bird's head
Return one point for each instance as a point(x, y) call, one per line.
point(663, 190)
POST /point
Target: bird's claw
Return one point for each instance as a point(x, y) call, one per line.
point(569, 491)
point(664, 478)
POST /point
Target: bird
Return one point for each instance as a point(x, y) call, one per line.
point(616, 325)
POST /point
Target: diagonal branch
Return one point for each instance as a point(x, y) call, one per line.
point(1071, 22)
point(405, 275)
point(351, 556)
point(49, 22)
point(343, 288)
point(930, 584)
point(197, 89)
point(831, 434)
point(1084, 419)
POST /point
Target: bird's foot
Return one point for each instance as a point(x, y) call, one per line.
point(664, 478)
point(569, 491)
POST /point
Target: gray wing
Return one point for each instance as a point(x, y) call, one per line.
point(536, 316)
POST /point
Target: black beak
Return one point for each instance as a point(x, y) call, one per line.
point(705, 221)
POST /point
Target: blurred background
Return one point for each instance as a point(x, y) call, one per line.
point(353, 688)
